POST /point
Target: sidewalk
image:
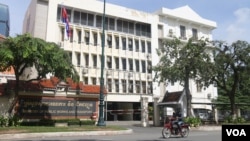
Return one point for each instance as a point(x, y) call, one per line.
point(92, 133)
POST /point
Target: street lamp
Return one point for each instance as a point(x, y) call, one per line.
point(101, 98)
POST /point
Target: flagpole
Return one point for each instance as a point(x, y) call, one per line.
point(101, 99)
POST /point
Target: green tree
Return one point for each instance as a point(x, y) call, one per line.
point(24, 51)
point(182, 61)
point(231, 72)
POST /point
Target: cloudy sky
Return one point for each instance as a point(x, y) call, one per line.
point(232, 16)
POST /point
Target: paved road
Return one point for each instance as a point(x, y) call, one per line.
point(135, 133)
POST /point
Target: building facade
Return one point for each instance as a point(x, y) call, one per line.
point(4, 20)
point(131, 37)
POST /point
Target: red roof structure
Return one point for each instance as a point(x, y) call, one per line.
point(53, 84)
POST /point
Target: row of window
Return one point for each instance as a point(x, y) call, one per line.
point(124, 86)
point(126, 63)
point(183, 35)
point(117, 42)
point(95, 20)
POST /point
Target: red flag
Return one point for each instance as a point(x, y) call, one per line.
point(66, 21)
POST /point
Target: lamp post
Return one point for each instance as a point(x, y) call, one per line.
point(101, 98)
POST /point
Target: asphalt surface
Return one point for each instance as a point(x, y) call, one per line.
point(90, 133)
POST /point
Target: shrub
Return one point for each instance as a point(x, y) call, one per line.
point(87, 122)
point(193, 121)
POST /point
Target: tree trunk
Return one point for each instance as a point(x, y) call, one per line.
point(233, 106)
point(188, 94)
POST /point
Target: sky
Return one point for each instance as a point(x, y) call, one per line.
point(232, 16)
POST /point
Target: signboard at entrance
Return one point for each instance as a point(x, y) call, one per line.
point(35, 107)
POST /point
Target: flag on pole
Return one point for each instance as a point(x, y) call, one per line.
point(65, 20)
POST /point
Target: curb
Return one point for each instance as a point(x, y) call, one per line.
point(206, 128)
point(62, 134)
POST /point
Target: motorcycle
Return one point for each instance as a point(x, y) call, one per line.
point(171, 127)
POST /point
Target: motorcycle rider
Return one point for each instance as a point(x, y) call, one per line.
point(177, 120)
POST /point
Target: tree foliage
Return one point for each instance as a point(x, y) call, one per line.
point(231, 72)
point(182, 61)
point(24, 51)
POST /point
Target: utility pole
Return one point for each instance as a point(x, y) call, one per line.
point(101, 98)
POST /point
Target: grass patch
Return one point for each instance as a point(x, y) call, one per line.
point(41, 129)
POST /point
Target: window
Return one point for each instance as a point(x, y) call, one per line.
point(138, 29)
point(109, 62)
point(150, 88)
point(86, 80)
point(98, 21)
point(62, 34)
point(125, 26)
point(131, 27)
point(95, 39)
point(137, 45)
point(183, 32)
point(198, 86)
point(149, 67)
point(109, 41)
point(119, 25)
point(143, 46)
point(87, 37)
point(78, 59)
point(116, 85)
point(70, 55)
point(94, 60)
point(144, 90)
point(90, 19)
point(149, 47)
point(117, 63)
point(124, 64)
point(195, 33)
point(109, 85)
point(130, 61)
point(83, 18)
point(117, 42)
point(79, 36)
point(71, 35)
point(124, 86)
point(86, 57)
point(137, 66)
point(138, 86)
point(130, 44)
point(93, 81)
point(76, 17)
point(131, 86)
point(124, 43)
point(143, 66)
point(111, 24)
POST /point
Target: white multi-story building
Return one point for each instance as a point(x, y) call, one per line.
point(131, 39)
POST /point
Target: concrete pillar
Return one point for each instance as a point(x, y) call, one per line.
point(215, 115)
point(238, 112)
point(156, 119)
point(144, 112)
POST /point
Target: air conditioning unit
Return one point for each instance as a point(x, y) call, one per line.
point(149, 56)
point(149, 76)
point(108, 73)
point(109, 38)
point(130, 74)
point(87, 34)
point(183, 38)
point(108, 59)
point(209, 96)
point(130, 42)
point(170, 32)
point(85, 71)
